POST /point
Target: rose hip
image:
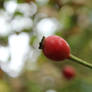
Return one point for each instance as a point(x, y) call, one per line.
point(56, 48)
point(69, 72)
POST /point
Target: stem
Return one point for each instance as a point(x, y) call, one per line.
point(80, 61)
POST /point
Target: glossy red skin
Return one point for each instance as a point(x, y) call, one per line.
point(56, 48)
point(69, 72)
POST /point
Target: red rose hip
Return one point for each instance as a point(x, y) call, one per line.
point(69, 72)
point(55, 48)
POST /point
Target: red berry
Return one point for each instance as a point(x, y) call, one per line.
point(56, 48)
point(69, 72)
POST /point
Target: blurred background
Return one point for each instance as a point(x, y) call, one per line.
point(23, 23)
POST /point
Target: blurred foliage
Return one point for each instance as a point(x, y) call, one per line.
point(77, 86)
point(34, 87)
point(4, 86)
point(75, 26)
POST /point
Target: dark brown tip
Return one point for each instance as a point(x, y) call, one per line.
point(41, 43)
